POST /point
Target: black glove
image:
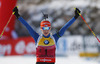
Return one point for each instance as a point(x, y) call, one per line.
point(77, 11)
point(15, 11)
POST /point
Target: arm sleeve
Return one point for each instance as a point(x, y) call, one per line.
point(66, 26)
point(63, 29)
point(29, 28)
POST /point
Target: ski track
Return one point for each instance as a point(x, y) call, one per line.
point(32, 59)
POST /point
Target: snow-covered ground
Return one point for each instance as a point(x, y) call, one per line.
point(31, 60)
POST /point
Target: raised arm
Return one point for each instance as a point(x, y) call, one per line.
point(67, 25)
point(64, 28)
point(29, 28)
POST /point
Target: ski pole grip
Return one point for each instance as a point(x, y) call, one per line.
point(77, 12)
point(14, 12)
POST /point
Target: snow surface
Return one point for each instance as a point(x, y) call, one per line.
point(31, 60)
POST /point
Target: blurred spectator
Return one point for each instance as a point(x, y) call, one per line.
point(59, 14)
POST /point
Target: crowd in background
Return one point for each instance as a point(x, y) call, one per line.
point(60, 12)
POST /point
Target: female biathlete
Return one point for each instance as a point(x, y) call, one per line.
point(46, 43)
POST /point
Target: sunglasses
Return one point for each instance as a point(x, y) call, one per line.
point(45, 28)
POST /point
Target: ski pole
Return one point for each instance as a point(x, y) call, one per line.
point(88, 26)
point(7, 23)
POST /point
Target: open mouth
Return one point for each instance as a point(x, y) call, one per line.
point(46, 33)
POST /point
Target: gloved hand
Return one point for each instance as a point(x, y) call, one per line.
point(77, 11)
point(15, 11)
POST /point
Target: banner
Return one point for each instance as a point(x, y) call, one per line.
point(91, 44)
point(6, 7)
point(26, 46)
point(20, 46)
point(70, 45)
point(75, 44)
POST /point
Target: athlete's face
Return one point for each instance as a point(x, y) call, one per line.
point(46, 31)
